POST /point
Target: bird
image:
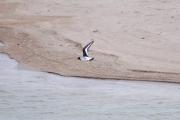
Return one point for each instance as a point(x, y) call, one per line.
point(85, 50)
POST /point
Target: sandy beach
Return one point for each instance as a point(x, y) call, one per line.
point(135, 40)
point(33, 95)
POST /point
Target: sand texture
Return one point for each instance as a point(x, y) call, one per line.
point(134, 39)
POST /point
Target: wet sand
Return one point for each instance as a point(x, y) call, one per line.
point(135, 40)
point(32, 95)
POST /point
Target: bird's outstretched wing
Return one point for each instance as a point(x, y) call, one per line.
point(86, 49)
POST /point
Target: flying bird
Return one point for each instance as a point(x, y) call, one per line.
point(85, 56)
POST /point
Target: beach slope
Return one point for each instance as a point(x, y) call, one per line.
point(135, 40)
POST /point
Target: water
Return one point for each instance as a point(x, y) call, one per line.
point(30, 95)
point(1, 44)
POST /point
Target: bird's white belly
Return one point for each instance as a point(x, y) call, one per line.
point(85, 58)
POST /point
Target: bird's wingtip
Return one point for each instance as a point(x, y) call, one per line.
point(92, 40)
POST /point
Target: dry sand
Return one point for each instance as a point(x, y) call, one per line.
point(134, 39)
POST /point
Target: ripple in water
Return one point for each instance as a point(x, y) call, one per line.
point(30, 95)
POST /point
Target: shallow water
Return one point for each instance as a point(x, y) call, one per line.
point(1, 44)
point(28, 95)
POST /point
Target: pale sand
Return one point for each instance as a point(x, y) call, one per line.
point(136, 40)
point(31, 95)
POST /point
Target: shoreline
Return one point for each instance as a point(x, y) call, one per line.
point(35, 95)
point(90, 77)
point(116, 79)
point(18, 67)
point(95, 78)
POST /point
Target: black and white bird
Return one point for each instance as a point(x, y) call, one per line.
point(85, 56)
